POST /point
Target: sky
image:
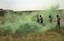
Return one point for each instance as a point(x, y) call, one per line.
point(30, 4)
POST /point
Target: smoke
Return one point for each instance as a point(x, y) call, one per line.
point(27, 22)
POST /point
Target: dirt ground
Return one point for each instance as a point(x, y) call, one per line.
point(48, 36)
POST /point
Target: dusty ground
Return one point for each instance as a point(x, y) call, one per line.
point(48, 36)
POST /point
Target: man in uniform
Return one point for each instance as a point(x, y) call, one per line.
point(58, 22)
point(50, 18)
point(41, 19)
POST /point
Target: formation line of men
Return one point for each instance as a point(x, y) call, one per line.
point(40, 20)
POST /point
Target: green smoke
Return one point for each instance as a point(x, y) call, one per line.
point(26, 22)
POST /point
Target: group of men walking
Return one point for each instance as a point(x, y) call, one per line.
point(40, 20)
